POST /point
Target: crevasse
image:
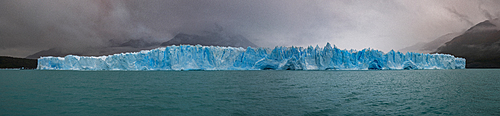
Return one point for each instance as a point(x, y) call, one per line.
point(188, 57)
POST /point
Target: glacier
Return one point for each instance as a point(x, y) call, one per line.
point(197, 57)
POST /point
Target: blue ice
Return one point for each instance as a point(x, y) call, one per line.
point(189, 57)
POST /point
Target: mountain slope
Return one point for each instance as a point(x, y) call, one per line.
point(480, 45)
point(210, 39)
point(133, 45)
point(431, 46)
point(218, 38)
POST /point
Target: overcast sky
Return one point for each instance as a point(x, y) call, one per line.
point(29, 26)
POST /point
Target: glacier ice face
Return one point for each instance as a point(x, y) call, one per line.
point(187, 57)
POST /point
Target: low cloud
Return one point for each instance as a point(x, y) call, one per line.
point(29, 26)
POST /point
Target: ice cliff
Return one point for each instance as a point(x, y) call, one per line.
point(187, 57)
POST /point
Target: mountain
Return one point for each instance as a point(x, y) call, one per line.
point(21, 63)
point(480, 45)
point(133, 45)
point(210, 39)
point(49, 52)
point(217, 38)
point(431, 46)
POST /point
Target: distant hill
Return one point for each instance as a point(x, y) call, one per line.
point(49, 52)
point(431, 46)
point(133, 45)
point(217, 38)
point(210, 39)
point(480, 45)
point(11, 62)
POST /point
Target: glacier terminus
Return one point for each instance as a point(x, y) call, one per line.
point(197, 57)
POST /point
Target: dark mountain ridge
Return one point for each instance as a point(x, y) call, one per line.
point(432, 46)
point(210, 39)
point(218, 38)
point(480, 45)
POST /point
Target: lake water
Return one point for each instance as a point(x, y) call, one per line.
point(382, 92)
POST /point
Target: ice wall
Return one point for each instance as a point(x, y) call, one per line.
point(187, 57)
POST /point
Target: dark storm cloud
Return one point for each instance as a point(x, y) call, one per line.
point(74, 25)
point(28, 26)
point(263, 21)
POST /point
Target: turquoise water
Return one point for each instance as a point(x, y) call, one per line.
point(385, 92)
